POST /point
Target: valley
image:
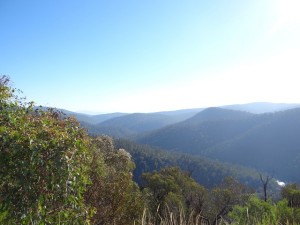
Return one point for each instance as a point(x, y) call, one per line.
point(258, 136)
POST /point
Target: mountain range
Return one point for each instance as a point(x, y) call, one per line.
point(127, 125)
point(182, 114)
point(263, 136)
point(268, 142)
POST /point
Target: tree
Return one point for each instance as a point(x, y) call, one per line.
point(257, 211)
point(113, 195)
point(224, 197)
point(292, 193)
point(265, 181)
point(43, 160)
point(172, 191)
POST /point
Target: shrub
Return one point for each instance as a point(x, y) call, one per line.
point(43, 162)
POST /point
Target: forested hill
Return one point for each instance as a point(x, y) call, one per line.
point(126, 125)
point(208, 172)
point(131, 125)
point(93, 119)
point(262, 141)
point(204, 130)
point(216, 114)
point(256, 140)
point(140, 122)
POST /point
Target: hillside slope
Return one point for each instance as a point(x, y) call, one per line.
point(204, 130)
point(207, 172)
point(262, 141)
point(273, 146)
point(135, 124)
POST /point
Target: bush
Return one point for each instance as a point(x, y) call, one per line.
point(115, 198)
point(43, 161)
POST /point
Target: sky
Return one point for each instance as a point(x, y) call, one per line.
point(106, 56)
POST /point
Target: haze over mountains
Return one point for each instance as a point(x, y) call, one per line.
point(263, 136)
point(268, 142)
point(181, 114)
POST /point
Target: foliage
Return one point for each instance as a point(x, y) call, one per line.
point(43, 161)
point(257, 211)
point(292, 193)
point(224, 197)
point(172, 191)
point(52, 172)
point(260, 141)
point(115, 198)
point(209, 173)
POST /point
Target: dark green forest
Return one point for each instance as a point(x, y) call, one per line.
point(259, 141)
point(54, 172)
point(268, 142)
point(203, 170)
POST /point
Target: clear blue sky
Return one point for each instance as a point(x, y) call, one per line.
point(143, 56)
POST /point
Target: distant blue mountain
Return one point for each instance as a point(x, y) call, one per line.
point(262, 107)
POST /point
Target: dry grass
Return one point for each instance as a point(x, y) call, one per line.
point(171, 218)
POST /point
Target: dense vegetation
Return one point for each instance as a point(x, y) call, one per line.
point(208, 172)
point(43, 159)
point(52, 172)
point(260, 141)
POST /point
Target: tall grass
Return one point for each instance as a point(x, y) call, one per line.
point(169, 217)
